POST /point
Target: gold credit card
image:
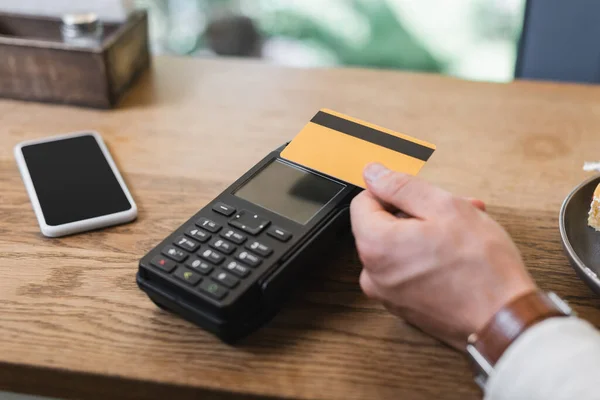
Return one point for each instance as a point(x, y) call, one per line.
point(341, 146)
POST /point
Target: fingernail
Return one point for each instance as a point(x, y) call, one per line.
point(374, 172)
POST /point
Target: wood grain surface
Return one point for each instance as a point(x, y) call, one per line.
point(73, 323)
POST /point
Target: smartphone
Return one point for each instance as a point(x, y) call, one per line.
point(74, 184)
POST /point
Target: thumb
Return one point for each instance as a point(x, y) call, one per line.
point(477, 203)
point(407, 193)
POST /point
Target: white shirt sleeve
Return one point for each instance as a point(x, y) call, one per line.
point(556, 359)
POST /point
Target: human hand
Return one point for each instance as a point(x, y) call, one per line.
point(446, 270)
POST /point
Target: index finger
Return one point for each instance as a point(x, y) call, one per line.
point(368, 216)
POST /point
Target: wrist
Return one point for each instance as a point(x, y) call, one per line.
point(496, 299)
point(485, 305)
point(486, 346)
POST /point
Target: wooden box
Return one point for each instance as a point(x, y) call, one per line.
point(36, 65)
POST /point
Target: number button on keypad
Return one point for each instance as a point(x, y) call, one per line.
point(238, 269)
point(212, 256)
point(223, 246)
point(248, 258)
point(186, 244)
point(199, 266)
point(259, 248)
point(235, 237)
point(198, 234)
point(209, 225)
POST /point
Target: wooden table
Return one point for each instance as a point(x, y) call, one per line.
point(74, 324)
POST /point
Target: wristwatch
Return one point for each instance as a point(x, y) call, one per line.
point(485, 347)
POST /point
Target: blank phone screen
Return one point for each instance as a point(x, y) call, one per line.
point(73, 180)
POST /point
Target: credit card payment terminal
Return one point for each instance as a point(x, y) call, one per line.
point(228, 268)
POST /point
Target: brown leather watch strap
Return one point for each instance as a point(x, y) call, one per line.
point(511, 321)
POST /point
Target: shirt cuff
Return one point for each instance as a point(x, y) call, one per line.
point(558, 358)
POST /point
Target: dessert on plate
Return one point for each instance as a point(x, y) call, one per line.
point(594, 215)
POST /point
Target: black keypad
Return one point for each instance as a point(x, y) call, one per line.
point(190, 277)
point(225, 278)
point(279, 233)
point(212, 256)
point(212, 289)
point(163, 263)
point(249, 222)
point(235, 237)
point(198, 234)
point(237, 269)
point(259, 248)
point(199, 266)
point(174, 253)
point(209, 225)
point(186, 243)
point(223, 246)
point(224, 209)
point(248, 258)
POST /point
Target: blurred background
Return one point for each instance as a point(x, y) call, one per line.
point(471, 39)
